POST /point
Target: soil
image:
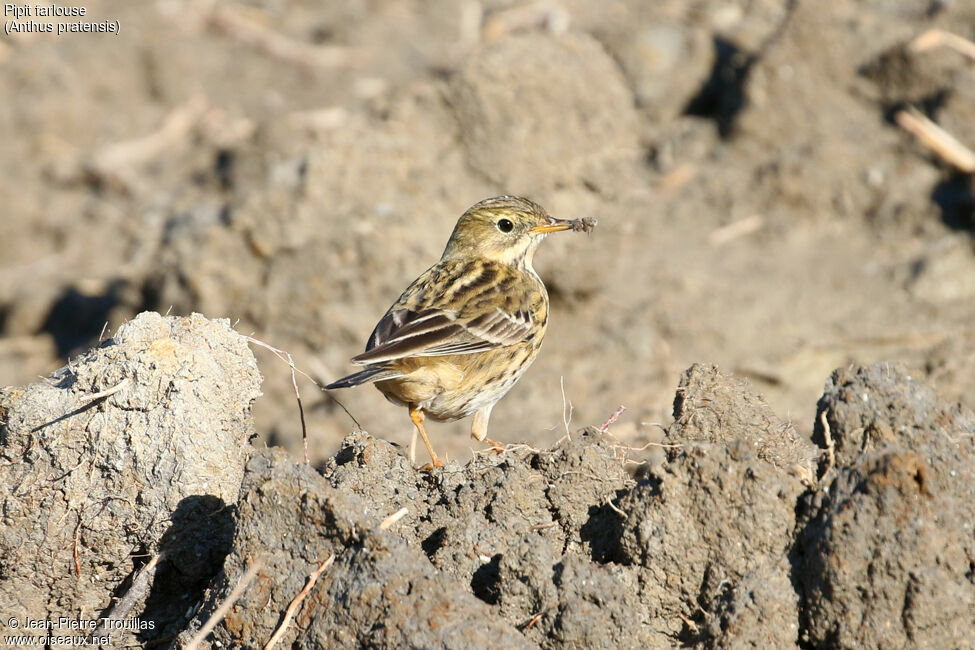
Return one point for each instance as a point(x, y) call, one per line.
point(297, 195)
point(137, 496)
point(290, 166)
point(136, 449)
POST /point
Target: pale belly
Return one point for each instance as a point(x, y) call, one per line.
point(454, 387)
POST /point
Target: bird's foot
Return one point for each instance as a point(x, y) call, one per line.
point(496, 446)
point(429, 467)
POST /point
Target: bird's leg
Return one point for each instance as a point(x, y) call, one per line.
point(416, 414)
point(480, 427)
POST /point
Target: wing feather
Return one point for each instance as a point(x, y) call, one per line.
point(475, 325)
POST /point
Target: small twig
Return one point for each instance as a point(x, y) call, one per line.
point(320, 120)
point(504, 449)
point(937, 37)
point(270, 42)
point(537, 617)
point(117, 160)
point(735, 229)
point(656, 424)
point(678, 177)
point(289, 612)
point(319, 380)
point(615, 509)
point(613, 418)
point(565, 420)
point(75, 553)
point(544, 16)
point(662, 445)
point(68, 472)
point(538, 527)
point(936, 139)
point(86, 403)
point(141, 582)
point(393, 518)
point(285, 356)
point(484, 558)
point(830, 446)
point(619, 446)
point(691, 625)
point(107, 392)
point(102, 334)
point(224, 607)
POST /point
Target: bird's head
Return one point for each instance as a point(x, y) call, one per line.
point(505, 229)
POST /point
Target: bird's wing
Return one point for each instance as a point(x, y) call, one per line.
point(467, 315)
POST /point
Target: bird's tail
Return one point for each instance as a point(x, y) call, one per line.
point(370, 374)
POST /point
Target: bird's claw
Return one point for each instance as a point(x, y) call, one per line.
point(496, 446)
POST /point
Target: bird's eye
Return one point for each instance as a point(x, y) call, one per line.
point(505, 225)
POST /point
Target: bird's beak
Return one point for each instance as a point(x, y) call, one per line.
point(553, 225)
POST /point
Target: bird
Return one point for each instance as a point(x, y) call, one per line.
point(466, 330)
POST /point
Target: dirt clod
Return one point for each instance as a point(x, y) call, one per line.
point(99, 486)
point(711, 406)
point(379, 592)
point(516, 97)
point(884, 555)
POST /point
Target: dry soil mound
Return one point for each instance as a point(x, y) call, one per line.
point(730, 539)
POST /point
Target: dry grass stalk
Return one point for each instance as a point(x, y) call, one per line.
point(290, 611)
point(830, 446)
point(614, 508)
point(612, 418)
point(543, 16)
point(678, 177)
point(86, 403)
point(936, 139)
point(225, 606)
point(621, 450)
point(115, 161)
point(566, 417)
point(231, 21)
point(107, 392)
point(141, 582)
point(287, 358)
point(320, 120)
point(938, 37)
point(504, 449)
point(537, 617)
point(735, 229)
point(393, 518)
point(74, 553)
point(691, 625)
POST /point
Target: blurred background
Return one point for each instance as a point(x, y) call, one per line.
point(772, 181)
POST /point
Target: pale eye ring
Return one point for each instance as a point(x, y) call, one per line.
point(505, 225)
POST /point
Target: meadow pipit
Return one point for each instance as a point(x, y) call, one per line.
point(466, 330)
